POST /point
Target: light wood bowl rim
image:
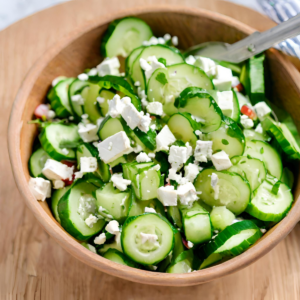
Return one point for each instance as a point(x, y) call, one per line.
point(72, 246)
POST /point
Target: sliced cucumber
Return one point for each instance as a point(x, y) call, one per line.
point(115, 202)
point(147, 253)
point(57, 194)
point(251, 135)
point(55, 135)
point(174, 216)
point(183, 127)
point(37, 161)
point(287, 177)
point(267, 154)
point(123, 35)
point(119, 258)
point(251, 169)
point(283, 136)
point(116, 244)
point(234, 191)
point(68, 207)
point(211, 260)
point(59, 98)
point(229, 137)
point(106, 95)
point(269, 205)
point(131, 58)
point(221, 217)
point(109, 126)
point(199, 103)
point(182, 264)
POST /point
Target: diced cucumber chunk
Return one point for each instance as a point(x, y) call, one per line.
point(123, 35)
point(57, 194)
point(37, 161)
point(106, 95)
point(267, 154)
point(221, 217)
point(119, 258)
point(234, 191)
point(174, 216)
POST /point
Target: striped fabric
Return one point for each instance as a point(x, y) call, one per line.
point(280, 11)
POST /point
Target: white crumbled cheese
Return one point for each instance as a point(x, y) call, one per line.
point(167, 195)
point(203, 151)
point(131, 115)
point(83, 77)
point(150, 65)
point(137, 83)
point(87, 206)
point(88, 164)
point(225, 101)
point(197, 119)
point(262, 230)
point(56, 170)
point(88, 132)
point(148, 237)
point(109, 66)
point(92, 72)
point(145, 123)
point(151, 155)
point(138, 148)
point(178, 156)
point(214, 179)
point(259, 128)
point(156, 167)
point(167, 37)
point(191, 172)
point(91, 220)
point(78, 175)
point(113, 227)
point(177, 177)
point(223, 73)
point(58, 184)
point(116, 106)
point(221, 161)
point(100, 100)
point(155, 108)
point(51, 114)
point(164, 138)
point(121, 146)
point(189, 149)
point(91, 248)
point(222, 84)
point(71, 118)
point(190, 60)
point(153, 41)
point(143, 157)
point(153, 127)
point(56, 80)
point(40, 188)
point(235, 81)
point(78, 99)
point(150, 210)
point(100, 239)
point(119, 182)
point(187, 193)
point(65, 151)
point(246, 122)
point(99, 121)
point(206, 64)
point(190, 244)
point(175, 40)
point(198, 132)
point(262, 110)
point(84, 116)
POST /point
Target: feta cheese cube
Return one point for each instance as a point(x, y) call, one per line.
point(83, 77)
point(177, 177)
point(131, 115)
point(203, 151)
point(262, 110)
point(150, 65)
point(246, 122)
point(110, 66)
point(206, 64)
point(222, 84)
point(145, 123)
point(221, 161)
point(116, 105)
point(259, 128)
point(119, 144)
point(40, 188)
point(187, 193)
point(100, 239)
point(191, 172)
point(113, 227)
point(150, 210)
point(78, 175)
point(88, 164)
point(178, 156)
point(223, 73)
point(58, 184)
point(78, 99)
point(225, 102)
point(143, 157)
point(119, 182)
point(155, 108)
point(167, 195)
point(190, 60)
point(164, 138)
point(148, 237)
point(190, 244)
point(167, 37)
point(88, 132)
point(56, 170)
point(91, 220)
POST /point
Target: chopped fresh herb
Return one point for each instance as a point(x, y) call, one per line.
point(163, 61)
point(261, 150)
point(249, 156)
point(242, 162)
point(161, 77)
point(225, 142)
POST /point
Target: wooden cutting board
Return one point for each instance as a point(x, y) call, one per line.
point(32, 265)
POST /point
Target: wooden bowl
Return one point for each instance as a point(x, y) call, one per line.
point(80, 50)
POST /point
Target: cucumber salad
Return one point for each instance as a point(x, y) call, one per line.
point(161, 160)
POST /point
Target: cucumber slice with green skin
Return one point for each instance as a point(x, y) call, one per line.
point(52, 137)
point(182, 264)
point(170, 54)
point(109, 126)
point(211, 260)
point(88, 150)
point(174, 216)
point(93, 179)
point(76, 88)
point(57, 194)
point(178, 77)
point(90, 105)
point(267, 154)
point(200, 104)
point(183, 127)
point(251, 135)
point(234, 191)
point(267, 206)
point(120, 258)
point(287, 177)
point(229, 137)
point(106, 95)
point(115, 202)
point(37, 161)
point(283, 136)
point(131, 58)
point(123, 35)
point(251, 169)
point(147, 253)
point(59, 98)
point(196, 223)
point(221, 217)
point(116, 244)
point(233, 240)
point(68, 207)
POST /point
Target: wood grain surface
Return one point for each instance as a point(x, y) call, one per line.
point(32, 265)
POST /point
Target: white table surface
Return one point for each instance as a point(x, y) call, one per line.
point(14, 10)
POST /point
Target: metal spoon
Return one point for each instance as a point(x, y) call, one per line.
point(249, 46)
